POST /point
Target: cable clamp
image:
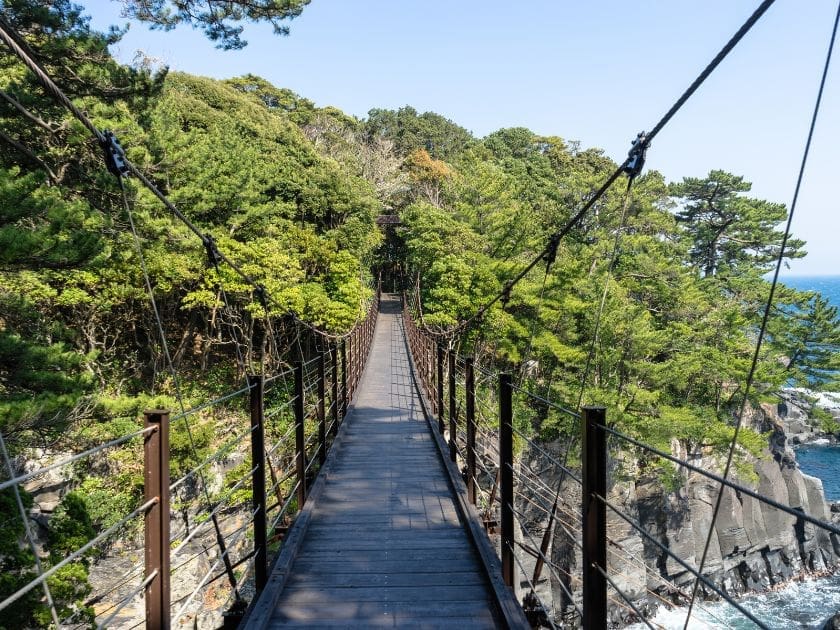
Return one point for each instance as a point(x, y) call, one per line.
point(213, 253)
point(115, 158)
point(506, 295)
point(262, 296)
point(636, 156)
point(551, 251)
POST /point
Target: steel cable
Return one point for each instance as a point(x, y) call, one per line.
point(768, 306)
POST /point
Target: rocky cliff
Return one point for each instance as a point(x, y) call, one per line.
point(754, 547)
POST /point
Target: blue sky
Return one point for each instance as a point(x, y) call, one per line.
point(597, 72)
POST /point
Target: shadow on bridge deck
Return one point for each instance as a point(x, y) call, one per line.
point(381, 541)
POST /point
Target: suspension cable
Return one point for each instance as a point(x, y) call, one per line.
point(643, 144)
point(767, 308)
point(174, 372)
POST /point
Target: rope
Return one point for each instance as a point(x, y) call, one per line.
point(767, 308)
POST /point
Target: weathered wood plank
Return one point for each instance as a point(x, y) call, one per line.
point(449, 576)
point(302, 595)
point(444, 566)
point(390, 614)
point(381, 555)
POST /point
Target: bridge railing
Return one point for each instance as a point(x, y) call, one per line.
point(294, 417)
point(546, 500)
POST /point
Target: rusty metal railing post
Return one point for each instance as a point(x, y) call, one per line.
point(300, 441)
point(470, 394)
point(343, 377)
point(506, 474)
point(350, 356)
point(322, 412)
point(255, 382)
point(156, 486)
point(440, 388)
point(335, 406)
point(453, 427)
point(594, 468)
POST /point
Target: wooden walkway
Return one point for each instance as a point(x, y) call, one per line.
point(383, 542)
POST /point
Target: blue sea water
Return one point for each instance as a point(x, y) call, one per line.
point(829, 286)
point(820, 460)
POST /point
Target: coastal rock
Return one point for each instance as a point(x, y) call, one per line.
point(792, 412)
point(832, 624)
point(753, 546)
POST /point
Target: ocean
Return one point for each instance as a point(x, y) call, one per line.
point(806, 604)
point(820, 460)
point(829, 286)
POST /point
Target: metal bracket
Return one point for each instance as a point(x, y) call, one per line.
point(506, 295)
point(262, 296)
point(115, 158)
point(636, 156)
point(213, 253)
point(551, 252)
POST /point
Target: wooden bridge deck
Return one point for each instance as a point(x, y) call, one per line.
point(381, 541)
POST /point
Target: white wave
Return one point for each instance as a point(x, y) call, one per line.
point(806, 604)
point(825, 400)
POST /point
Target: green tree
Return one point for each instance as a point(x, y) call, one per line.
point(730, 233)
point(408, 130)
point(810, 340)
point(219, 21)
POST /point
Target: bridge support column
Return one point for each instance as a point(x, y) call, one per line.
point(255, 382)
point(300, 441)
point(343, 377)
point(322, 415)
point(335, 405)
point(506, 475)
point(156, 486)
point(594, 468)
point(470, 394)
point(440, 388)
point(453, 412)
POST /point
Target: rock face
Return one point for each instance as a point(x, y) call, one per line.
point(753, 546)
point(832, 624)
point(115, 575)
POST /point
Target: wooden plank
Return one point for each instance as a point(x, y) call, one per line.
point(394, 620)
point(363, 566)
point(373, 545)
point(381, 555)
point(448, 576)
point(384, 613)
point(302, 595)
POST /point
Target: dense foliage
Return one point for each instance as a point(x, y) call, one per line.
point(680, 273)
point(80, 351)
point(290, 192)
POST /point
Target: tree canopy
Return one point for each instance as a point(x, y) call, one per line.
point(290, 191)
point(220, 21)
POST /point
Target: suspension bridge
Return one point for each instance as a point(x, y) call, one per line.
point(397, 491)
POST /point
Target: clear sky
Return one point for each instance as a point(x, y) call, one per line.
point(597, 72)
